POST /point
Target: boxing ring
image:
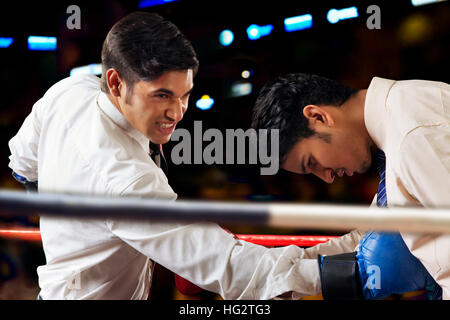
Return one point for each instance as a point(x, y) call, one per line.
point(280, 215)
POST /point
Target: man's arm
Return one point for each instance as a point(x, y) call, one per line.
point(213, 259)
point(382, 266)
point(24, 146)
point(424, 175)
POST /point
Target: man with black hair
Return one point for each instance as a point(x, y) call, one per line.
point(91, 136)
point(329, 130)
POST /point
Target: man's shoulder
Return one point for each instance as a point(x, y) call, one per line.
point(417, 91)
point(412, 104)
point(75, 82)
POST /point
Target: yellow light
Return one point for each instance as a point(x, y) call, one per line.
point(245, 74)
point(205, 97)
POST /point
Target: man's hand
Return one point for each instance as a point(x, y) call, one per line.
point(386, 266)
point(382, 266)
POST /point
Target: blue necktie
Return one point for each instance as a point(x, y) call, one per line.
point(380, 161)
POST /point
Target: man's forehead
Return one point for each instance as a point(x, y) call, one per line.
point(175, 75)
point(172, 82)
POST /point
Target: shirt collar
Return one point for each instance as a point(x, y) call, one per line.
point(111, 111)
point(375, 109)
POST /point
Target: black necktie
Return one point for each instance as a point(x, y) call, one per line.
point(158, 157)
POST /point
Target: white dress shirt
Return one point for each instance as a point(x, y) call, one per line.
point(76, 141)
point(410, 122)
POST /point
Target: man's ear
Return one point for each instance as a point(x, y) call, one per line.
point(317, 116)
point(114, 82)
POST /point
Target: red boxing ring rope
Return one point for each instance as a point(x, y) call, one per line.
point(28, 234)
point(33, 234)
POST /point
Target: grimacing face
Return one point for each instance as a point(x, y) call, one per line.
point(155, 107)
point(328, 160)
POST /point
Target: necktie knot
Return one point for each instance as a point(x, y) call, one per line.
point(154, 148)
point(380, 161)
point(158, 157)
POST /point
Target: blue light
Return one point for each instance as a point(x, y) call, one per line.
point(417, 3)
point(254, 32)
point(334, 15)
point(42, 43)
point(226, 37)
point(5, 42)
point(152, 3)
point(93, 68)
point(205, 102)
point(298, 23)
point(239, 89)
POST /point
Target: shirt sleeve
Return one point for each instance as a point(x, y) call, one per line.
point(213, 259)
point(343, 244)
point(25, 144)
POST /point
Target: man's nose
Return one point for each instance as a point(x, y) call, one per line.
point(325, 174)
point(176, 111)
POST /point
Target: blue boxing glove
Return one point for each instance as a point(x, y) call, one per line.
point(386, 266)
point(382, 266)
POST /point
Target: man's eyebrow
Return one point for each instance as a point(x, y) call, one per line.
point(166, 91)
point(189, 92)
point(171, 93)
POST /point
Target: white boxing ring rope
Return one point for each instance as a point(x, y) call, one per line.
point(293, 216)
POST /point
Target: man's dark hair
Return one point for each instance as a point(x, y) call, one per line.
point(142, 46)
point(281, 101)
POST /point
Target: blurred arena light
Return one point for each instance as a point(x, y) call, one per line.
point(240, 88)
point(335, 15)
point(152, 3)
point(5, 42)
point(415, 29)
point(205, 102)
point(41, 43)
point(226, 37)
point(296, 23)
point(93, 68)
point(417, 3)
point(246, 74)
point(254, 32)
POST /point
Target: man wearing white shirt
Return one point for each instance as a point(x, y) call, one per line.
point(329, 130)
point(91, 136)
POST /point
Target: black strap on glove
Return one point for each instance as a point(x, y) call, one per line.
point(340, 277)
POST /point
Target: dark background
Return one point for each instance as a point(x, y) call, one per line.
point(413, 43)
